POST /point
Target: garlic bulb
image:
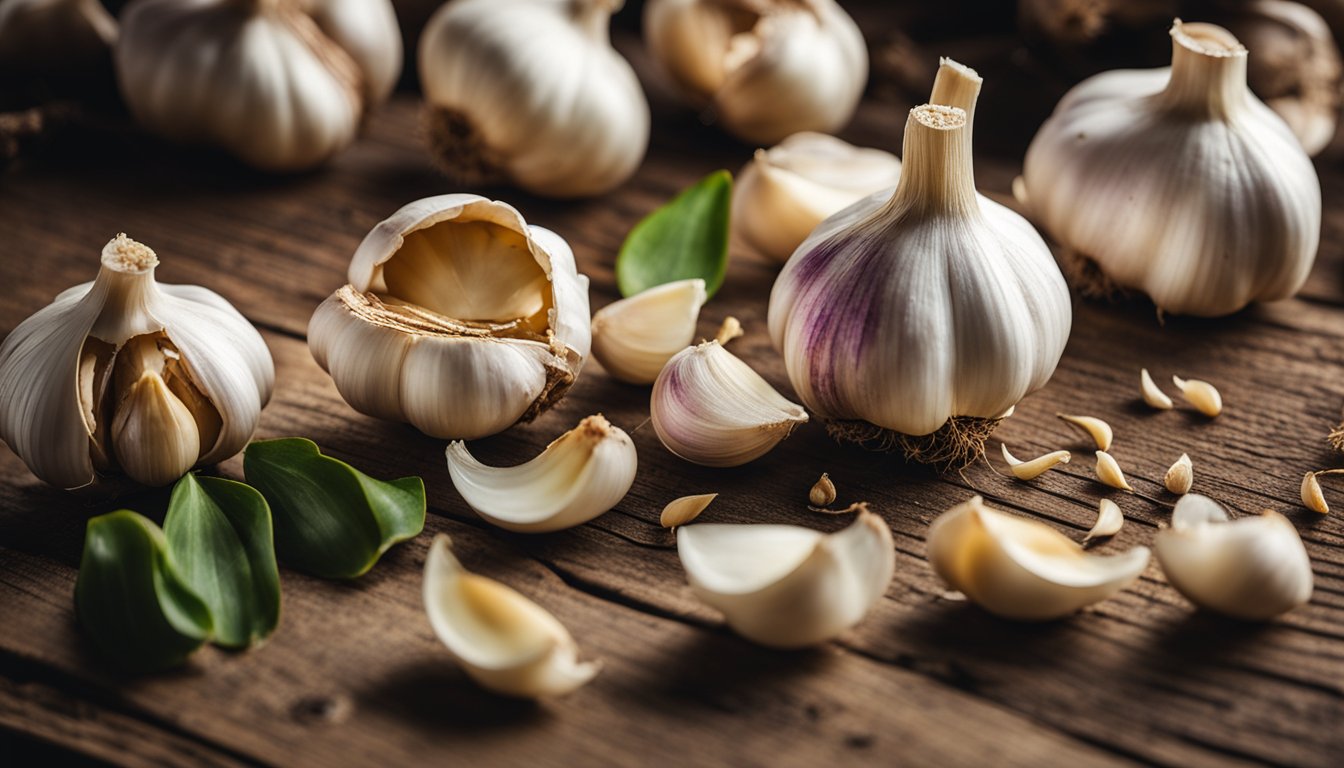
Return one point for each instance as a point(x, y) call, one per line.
point(1251, 568)
point(710, 408)
point(44, 38)
point(459, 318)
point(282, 84)
point(767, 68)
point(1179, 182)
point(635, 337)
point(580, 475)
point(502, 640)
point(787, 190)
point(1022, 569)
point(126, 375)
point(784, 586)
point(566, 118)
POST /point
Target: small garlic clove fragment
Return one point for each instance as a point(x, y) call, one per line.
point(1028, 470)
point(502, 640)
point(1098, 430)
point(823, 491)
point(730, 329)
point(1109, 521)
point(1108, 471)
point(1312, 497)
point(154, 436)
point(685, 509)
point(635, 337)
point(1180, 476)
point(1153, 396)
point(1201, 394)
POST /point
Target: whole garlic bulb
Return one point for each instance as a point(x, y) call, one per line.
point(768, 68)
point(459, 318)
point(1179, 182)
point(282, 84)
point(124, 374)
point(44, 38)
point(531, 92)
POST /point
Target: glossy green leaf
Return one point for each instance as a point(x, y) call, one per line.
point(685, 238)
point(331, 520)
point(130, 599)
point(219, 542)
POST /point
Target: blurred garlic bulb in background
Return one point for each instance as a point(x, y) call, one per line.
point(531, 92)
point(54, 38)
point(767, 68)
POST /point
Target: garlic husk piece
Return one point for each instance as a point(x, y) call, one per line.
point(59, 394)
point(1109, 521)
point(1201, 394)
point(710, 408)
point(681, 511)
point(55, 38)
point(1022, 569)
point(564, 119)
point(580, 475)
point(1251, 568)
point(767, 68)
point(784, 586)
point(1154, 397)
point(1179, 182)
point(501, 639)
point(459, 318)
point(787, 190)
point(1180, 476)
point(633, 338)
point(1030, 470)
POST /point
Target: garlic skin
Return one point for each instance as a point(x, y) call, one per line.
point(502, 640)
point(281, 84)
point(47, 38)
point(783, 586)
point(459, 318)
point(787, 190)
point(125, 374)
point(565, 119)
point(633, 338)
point(767, 68)
point(1022, 569)
point(1251, 568)
point(1179, 182)
point(710, 408)
point(580, 475)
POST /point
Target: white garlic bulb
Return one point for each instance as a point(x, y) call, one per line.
point(282, 84)
point(531, 92)
point(787, 190)
point(459, 318)
point(126, 375)
point(54, 37)
point(633, 338)
point(1179, 182)
point(767, 68)
point(784, 586)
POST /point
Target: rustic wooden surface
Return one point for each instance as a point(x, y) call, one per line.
point(354, 674)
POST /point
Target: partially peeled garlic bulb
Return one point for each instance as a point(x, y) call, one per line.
point(633, 338)
point(126, 375)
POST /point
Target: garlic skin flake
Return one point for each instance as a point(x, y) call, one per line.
point(1201, 394)
point(1030, 470)
point(1154, 397)
point(580, 475)
point(633, 338)
point(502, 640)
point(126, 374)
point(459, 318)
point(784, 586)
point(1021, 569)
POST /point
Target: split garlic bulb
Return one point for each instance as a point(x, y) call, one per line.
point(787, 190)
point(459, 318)
point(784, 586)
point(635, 337)
point(767, 68)
point(531, 92)
point(282, 84)
point(1179, 182)
point(126, 375)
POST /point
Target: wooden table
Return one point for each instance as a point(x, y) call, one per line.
point(355, 676)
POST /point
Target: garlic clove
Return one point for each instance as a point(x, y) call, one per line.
point(1154, 397)
point(685, 509)
point(1201, 394)
point(635, 337)
point(1180, 476)
point(822, 492)
point(1095, 428)
point(1109, 521)
point(1029, 470)
point(1108, 472)
point(502, 640)
point(154, 436)
point(464, 389)
point(784, 586)
point(1312, 497)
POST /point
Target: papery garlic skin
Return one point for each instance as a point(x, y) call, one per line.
point(1179, 182)
point(459, 318)
point(633, 338)
point(566, 118)
point(54, 37)
point(784, 586)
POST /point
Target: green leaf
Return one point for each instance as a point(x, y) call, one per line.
point(219, 542)
point(130, 600)
point(685, 238)
point(331, 520)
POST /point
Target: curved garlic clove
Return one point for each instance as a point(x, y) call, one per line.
point(1109, 521)
point(710, 408)
point(502, 640)
point(1312, 496)
point(1154, 397)
point(635, 337)
point(784, 586)
point(822, 492)
point(1200, 394)
point(681, 511)
point(1180, 476)
point(1022, 569)
point(1095, 428)
point(1108, 472)
point(1029, 470)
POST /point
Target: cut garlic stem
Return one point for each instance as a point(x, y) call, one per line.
point(1109, 521)
point(1201, 394)
point(1153, 396)
point(731, 329)
point(685, 509)
point(1028, 470)
point(1108, 471)
point(635, 337)
point(1180, 476)
point(1098, 430)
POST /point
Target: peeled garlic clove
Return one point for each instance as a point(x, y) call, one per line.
point(1109, 521)
point(1312, 497)
point(502, 640)
point(1251, 568)
point(710, 408)
point(635, 337)
point(1153, 396)
point(1098, 430)
point(1029, 470)
point(1200, 394)
point(1108, 471)
point(1022, 569)
point(784, 586)
point(823, 491)
point(685, 509)
point(1180, 476)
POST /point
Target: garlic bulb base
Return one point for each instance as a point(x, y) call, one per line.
point(459, 150)
point(1336, 438)
point(955, 445)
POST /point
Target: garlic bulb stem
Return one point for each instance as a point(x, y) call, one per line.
point(937, 176)
point(957, 85)
point(1208, 72)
